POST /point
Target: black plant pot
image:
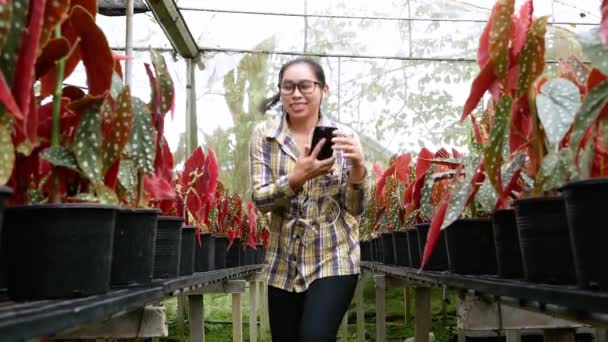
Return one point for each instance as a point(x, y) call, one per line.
point(204, 254)
point(5, 194)
point(506, 240)
point(412, 247)
point(242, 256)
point(168, 246)
point(261, 255)
point(373, 250)
point(544, 240)
point(133, 251)
point(586, 204)
point(58, 250)
point(439, 258)
point(470, 246)
point(233, 255)
point(388, 254)
point(250, 255)
point(363, 250)
point(186, 258)
point(400, 248)
point(221, 243)
point(379, 249)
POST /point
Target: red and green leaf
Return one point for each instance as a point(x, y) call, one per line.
point(532, 60)
point(500, 35)
point(55, 13)
point(87, 142)
point(166, 95)
point(590, 110)
point(426, 209)
point(141, 145)
point(121, 125)
point(494, 149)
point(95, 51)
point(520, 27)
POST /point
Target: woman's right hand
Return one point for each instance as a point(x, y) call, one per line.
point(308, 167)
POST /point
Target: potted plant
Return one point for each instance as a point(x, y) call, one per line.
point(197, 188)
point(388, 195)
point(262, 237)
point(64, 158)
point(220, 230)
point(585, 196)
point(232, 227)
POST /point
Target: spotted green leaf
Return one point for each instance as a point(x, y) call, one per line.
point(10, 50)
point(492, 153)
point(508, 170)
point(6, 11)
point(105, 195)
point(163, 82)
point(555, 170)
point(532, 60)
point(426, 209)
point(557, 105)
point(581, 71)
point(500, 34)
point(84, 197)
point(141, 145)
point(594, 49)
point(117, 86)
point(486, 196)
point(595, 100)
point(462, 191)
point(87, 143)
point(127, 175)
point(59, 156)
point(7, 154)
point(121, 125)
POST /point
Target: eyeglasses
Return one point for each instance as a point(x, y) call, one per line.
point(306, 87)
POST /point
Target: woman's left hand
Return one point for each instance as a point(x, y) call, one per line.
point(351, 151)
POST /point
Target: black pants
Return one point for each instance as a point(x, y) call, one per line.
point(312, 315)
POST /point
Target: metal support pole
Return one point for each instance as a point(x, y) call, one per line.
point(191, 124)
point(129, 43)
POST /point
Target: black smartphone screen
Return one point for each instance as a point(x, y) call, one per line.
point(319, 133)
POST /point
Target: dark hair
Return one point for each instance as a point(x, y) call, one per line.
point(316, 68)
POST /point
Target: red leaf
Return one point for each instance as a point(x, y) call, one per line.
point(423, 163)
point(47, 82)
point(434, 232)
point(417, 191)
point(231, 237)
point(595, 77)
point(442, 153)
point(503, 200)
point(480, 85)
point(73, 93)
point(89, 5)
point(476, 131)
point(54, 50)
point(382, 182)
point(520, 129)
point(111, 177)
point(24, 71)
point(194, 164)
point(407, 194)
point(95, 51)
point(117, 59)
point(604, 22)
point(6, 98)
point(520, 26)
point(402, 168)
point(455, 153)
point(158, 188)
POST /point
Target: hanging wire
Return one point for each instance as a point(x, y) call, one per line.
point(387, 18)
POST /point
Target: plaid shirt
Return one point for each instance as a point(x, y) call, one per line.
point(314, 233)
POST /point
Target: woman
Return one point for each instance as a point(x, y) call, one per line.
point(313, 258)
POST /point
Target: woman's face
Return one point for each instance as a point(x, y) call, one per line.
point(301, 91)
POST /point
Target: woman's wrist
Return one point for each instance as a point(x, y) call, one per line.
point(295, 181)
point(357, 173)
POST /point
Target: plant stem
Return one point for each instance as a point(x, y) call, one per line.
point(55, 132)
point(140, 188)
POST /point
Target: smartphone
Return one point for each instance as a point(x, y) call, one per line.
point(319, 133)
